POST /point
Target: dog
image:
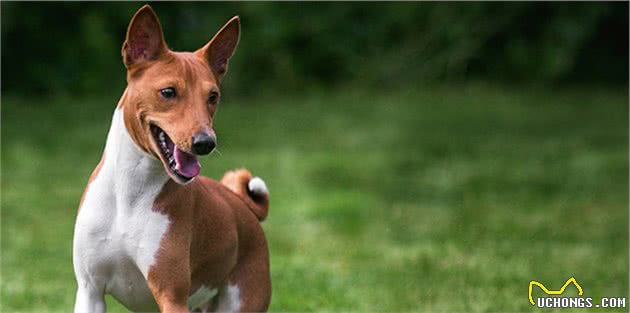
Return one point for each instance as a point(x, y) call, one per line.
point(149, 230)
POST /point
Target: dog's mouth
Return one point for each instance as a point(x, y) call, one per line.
point(180, 165)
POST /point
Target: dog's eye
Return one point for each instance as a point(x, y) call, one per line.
point(168, 93)
point(213, 98)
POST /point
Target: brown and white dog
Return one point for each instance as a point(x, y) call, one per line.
point(149, 231)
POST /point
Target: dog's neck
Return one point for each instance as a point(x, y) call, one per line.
point(131, 171)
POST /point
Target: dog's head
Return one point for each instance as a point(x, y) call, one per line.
point(172, 97)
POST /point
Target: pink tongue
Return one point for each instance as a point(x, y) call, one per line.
point(187, 163)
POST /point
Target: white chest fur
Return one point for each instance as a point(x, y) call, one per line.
point(117, 233)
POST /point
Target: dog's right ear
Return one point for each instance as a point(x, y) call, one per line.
point(144, 41)
point(221, 47)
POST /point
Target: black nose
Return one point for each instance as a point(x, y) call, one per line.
point(203, 144)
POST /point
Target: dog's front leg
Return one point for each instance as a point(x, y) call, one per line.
point(170, 293)
point(170, 299)
point(170, 305)
point(169, 281)
point(89, 300)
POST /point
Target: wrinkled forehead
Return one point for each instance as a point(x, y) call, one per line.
point(183, 70)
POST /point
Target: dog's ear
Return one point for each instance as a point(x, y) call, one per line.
point(220, 48)
point(144, 41)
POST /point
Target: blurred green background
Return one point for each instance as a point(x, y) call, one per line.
point(420, 156)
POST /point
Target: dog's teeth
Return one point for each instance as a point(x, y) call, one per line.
point(162, 136)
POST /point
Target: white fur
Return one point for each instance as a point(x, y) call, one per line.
point(89, 299)
point(257, 186)
point(117, 233)
point(230, 299)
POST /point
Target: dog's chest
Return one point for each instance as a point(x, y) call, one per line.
point(118, 232)
point(116, 241)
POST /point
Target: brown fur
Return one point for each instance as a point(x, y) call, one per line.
point(214, 237)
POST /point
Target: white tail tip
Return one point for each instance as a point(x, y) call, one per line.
point(257, 186)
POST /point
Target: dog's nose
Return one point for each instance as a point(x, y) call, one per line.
point(202, 144)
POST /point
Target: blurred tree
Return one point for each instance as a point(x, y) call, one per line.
point(69, 47)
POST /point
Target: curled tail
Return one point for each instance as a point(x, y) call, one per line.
point(253, 190)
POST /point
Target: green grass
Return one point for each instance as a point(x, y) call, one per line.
point(446, 199)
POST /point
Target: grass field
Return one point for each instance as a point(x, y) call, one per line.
point(436, 199)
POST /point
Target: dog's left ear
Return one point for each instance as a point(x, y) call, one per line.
point(144, 41)
point(221, 47)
